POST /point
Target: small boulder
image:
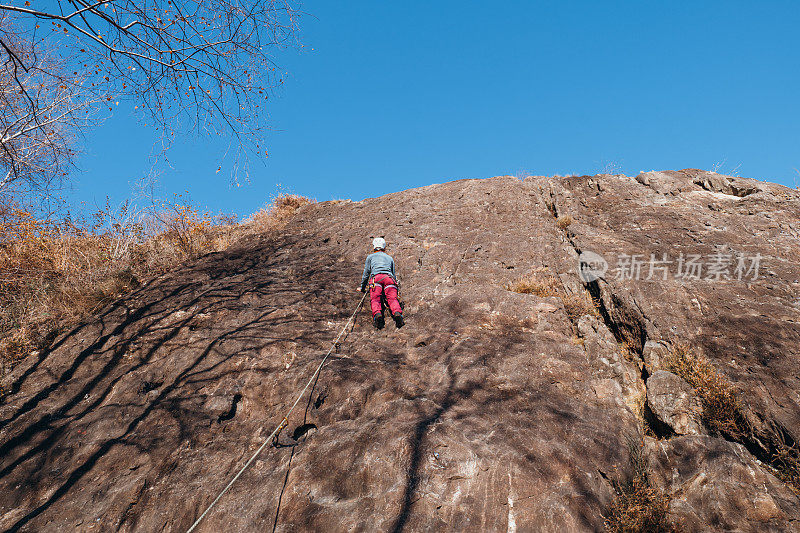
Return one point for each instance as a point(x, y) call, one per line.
point(674, 403)
point(655, 354)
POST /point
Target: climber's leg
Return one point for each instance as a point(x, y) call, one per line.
point(391, 298)
point(375, 292)
point(390, 292)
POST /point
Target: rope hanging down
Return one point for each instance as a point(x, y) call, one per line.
point(284, 421)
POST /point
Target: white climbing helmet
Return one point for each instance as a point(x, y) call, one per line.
point(378, 243)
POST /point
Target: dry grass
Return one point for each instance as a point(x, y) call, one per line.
point(53, 273)
point(578, 305)
point(564, 221)
point(541, 283)
point(721, 410)
point(786, 462)
point(577, 341)
point(629, 350)
point(639, 507)
point(498, 322)
point(538, 282)
point(275, 214)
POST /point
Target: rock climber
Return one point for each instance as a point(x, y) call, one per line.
point(379, 273)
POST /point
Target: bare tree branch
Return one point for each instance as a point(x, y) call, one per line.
point(202, 66)
point(42, 110)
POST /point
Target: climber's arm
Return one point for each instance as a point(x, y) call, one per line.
point(365, 275)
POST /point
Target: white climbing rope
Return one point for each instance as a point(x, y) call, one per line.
point(284, 421)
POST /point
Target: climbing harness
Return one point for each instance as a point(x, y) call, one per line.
point(285, 420)
point(372, 282)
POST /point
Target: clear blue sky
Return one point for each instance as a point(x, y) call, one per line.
point(385, 96)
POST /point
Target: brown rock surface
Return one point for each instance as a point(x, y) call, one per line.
point(718, 485)
point(491, 410)
point(674, 403)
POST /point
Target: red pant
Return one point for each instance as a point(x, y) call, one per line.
point(383, 284)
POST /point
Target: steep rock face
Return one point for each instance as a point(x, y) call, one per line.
point(490, 410)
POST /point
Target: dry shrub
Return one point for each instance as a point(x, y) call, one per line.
point(55, 272)
point(564, 221)
point(786, 462)
point(723, 414)
point(538, 283)
point(185, 227)
point(276, 213)
point(721, 410)
point(639, 507)
point(577, 305)
point(628, 350)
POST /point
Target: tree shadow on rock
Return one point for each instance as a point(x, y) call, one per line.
point(189, 329)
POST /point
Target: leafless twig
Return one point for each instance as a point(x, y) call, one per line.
point(202, 66)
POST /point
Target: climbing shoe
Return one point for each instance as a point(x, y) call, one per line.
point(378, 321)
point(398, 321)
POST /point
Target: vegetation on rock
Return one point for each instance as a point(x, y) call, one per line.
point(54, 272)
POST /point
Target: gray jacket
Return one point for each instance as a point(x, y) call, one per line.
point(377, 263)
